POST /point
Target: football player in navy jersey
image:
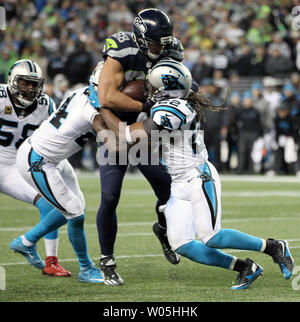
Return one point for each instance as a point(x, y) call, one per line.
point(194, 207)
point(128, 56)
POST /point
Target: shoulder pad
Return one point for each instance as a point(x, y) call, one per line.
point(120, 45)
point(3, 91)
point(3, 95)
point(47, 102)
point(175, 50)
point(169, 114)
point(5, 100)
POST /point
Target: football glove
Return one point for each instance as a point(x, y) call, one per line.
point(148, 104)
point(93, 97)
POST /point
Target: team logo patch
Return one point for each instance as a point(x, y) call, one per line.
point(8, 110)
point(110, 43)
point(165, 121)
point(36, 166)
point(138, 22)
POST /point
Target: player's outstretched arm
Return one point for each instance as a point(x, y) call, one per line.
point(109, 94)
point(123, 133)
point(99, 124)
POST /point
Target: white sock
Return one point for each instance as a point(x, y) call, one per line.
point(103, 256)
point(233, 263)
point(264, 244)
point(51, 247)
point(26, 242)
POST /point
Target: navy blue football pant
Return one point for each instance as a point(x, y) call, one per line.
point(111, 178)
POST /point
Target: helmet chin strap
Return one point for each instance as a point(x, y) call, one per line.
point(19, 104)
point(147, 51)
point(152, 56)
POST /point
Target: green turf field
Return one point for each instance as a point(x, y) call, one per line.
point(261, 206)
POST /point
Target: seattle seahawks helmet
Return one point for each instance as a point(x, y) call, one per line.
point(94, 78)
point(25, 82)
point(169, 78)
point(152, 31)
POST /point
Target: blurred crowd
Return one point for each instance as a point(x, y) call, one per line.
point(227, 43)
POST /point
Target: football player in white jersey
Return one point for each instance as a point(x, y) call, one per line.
point(23, 107)
point(40, 161)
point(194, 206)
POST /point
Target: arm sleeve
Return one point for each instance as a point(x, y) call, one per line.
point(150, 125)
point(89, 113)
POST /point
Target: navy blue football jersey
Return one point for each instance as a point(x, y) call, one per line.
point(122, 47)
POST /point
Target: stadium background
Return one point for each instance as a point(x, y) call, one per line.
point(248, 46)
point(245, 45)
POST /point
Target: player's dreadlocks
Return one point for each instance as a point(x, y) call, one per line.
point(200, 102)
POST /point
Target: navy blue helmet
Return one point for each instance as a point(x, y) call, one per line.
point(153, 31)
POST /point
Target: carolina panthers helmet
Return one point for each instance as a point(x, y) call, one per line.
point(25, 82)
point(94, 78)
point(170, 78)
point(152, 31)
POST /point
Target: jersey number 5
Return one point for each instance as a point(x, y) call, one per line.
point(8, 136)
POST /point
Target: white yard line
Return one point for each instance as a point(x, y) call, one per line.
point(223, 177)
point(225, 193)
point(138, 256)
point(94, 258)
point(128, 224)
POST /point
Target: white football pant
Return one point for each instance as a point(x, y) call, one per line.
point(13, 184)
point(56, 182)
point(194, 207)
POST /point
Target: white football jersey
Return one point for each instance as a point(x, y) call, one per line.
point(181, 140)
point(65, 131)
point(15, 129)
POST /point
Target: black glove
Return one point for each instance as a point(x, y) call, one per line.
point(148, 104)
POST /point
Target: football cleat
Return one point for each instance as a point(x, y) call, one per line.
point(52, 268)
point(108, 267)
point(90, 274)
point(248, 275)
point(283, 258)
point(29, 252)
point(161, 234)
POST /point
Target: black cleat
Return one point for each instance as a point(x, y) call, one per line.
point(282, 256)
point(108, 267)
point(251, 272)
point(161, 234)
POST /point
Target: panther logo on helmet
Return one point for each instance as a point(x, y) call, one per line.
point(168, 78)
point(171, 82)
